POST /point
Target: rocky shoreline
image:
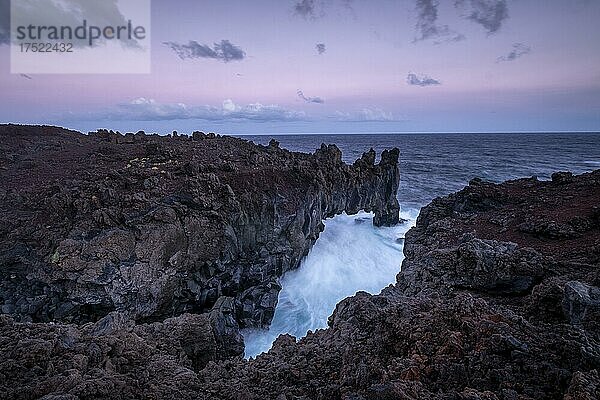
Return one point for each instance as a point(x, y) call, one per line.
point(129, 263)
point(498, 298)
point(155, 227)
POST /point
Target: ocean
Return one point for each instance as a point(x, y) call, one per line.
point(352, 255)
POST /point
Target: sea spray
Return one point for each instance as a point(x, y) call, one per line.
point(350, 255)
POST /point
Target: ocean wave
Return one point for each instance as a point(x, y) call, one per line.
point(350, 255)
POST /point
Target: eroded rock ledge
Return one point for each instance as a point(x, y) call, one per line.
point(155, 227)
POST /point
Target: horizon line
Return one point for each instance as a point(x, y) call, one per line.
point(411, 133)
point(331, 133)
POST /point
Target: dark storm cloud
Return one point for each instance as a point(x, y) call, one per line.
point(519, 50)
point(421, 80)
point(316, 100)
point(321, 48)
point(224, 51)
point(488, 13)
point(427, 24)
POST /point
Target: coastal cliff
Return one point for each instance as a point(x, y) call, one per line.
point(154, 227)
point(498, 296)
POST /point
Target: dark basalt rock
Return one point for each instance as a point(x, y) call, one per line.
point(482, 309)
point(581, 304)
point(109, 359)
point(155, 227)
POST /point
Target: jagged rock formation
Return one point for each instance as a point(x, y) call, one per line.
point(498, 298)
point(112, 358)
point(155, 227)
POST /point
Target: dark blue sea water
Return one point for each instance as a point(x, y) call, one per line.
point(432, 165)
point(350, 256)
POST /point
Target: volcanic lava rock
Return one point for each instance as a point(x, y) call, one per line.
point(481, 310)
point(109, 359)
point(155, 227)
point(581, 303)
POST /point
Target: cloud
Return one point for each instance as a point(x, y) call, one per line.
point(4, 22)
point(488, 13)
point(427, 26)
point(365, 115)
point(66, 12)
point(519, 50)
point(317, 100)
point(305, 8)
point(311, 9)
point(348, 4)
point(321, 48)
point(224, 51)
point(421, 80)
point(143, 109)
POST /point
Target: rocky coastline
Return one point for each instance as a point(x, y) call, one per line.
point(155, 227)
point(128, 264)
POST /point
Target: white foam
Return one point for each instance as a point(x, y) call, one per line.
point(350, 255)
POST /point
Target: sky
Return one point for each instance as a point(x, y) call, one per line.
point(335, 66)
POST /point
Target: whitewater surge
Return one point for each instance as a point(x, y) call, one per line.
point(350, 255)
